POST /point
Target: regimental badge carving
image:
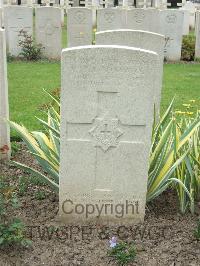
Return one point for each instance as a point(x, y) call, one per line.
point(106, 133)
point(139, 16)
point(109, 17)
point(79, 17)
point(49, 28)
point(171, 18)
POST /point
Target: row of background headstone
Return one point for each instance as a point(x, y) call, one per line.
point(48, 31)
point(102, 3)
point(166, 22)
point(81, 21)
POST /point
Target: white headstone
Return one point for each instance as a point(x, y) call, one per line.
point(143, 3)
point(111, 19)
point(62, 16)
point(1, 17)
point(17, 18)
point(139, 39)
point(171, 26)
point(186, 21)
point(79, 25)
point(106, 123)
point(4, 108)
point(48, 30)
point(191, 8)
point(143, 19)
point(128, 3)
point(197, 30)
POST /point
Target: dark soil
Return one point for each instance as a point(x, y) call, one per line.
point(165, 238)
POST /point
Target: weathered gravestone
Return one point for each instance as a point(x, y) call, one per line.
point(191, 8)
point(111, 19)
point(17, 18)
point(143, 19)
point(48, 30)
point(106, 123)
point(197, 30)
point(171, 26)
point(139, 39)
point(186, 21)
point(4, 110)
point(79, 25)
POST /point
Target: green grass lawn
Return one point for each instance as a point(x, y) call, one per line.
point(27, 81)
point(183, 82)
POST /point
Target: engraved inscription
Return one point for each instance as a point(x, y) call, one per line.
point(139, 16)
point(106, 133)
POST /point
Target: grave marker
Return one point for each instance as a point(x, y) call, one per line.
point(139, 39)
point(106, 123)
point(171, 26)
point(17, 18)
point(143, 19)
point(79, 21)
point(48, 30)
point(111, 19)
point(4, 108)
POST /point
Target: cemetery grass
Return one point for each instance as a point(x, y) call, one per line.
point(166, 238)
point(27, 82)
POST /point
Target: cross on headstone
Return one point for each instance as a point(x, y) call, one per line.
point(105, 134)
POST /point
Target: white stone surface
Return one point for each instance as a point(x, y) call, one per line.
point(186, 21)
point(197, 30)
point(4, 108)
point(111, 19)
point(191, 8)
point(143, 19)
point(143, 3)
point(139, 39)
point(1, 17)
point(106, 121)
point(79, 26)
point(62, 16)
point(17, 18)
point(171, 26)
point(48, 30)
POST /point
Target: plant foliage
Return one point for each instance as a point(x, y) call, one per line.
point(31, 51)
point(12, 230)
